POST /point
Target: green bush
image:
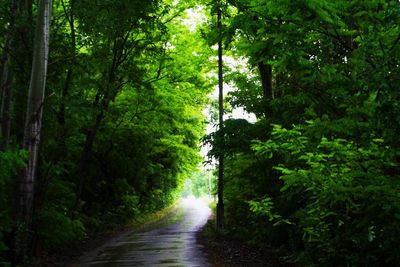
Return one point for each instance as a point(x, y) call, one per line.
point(57, 224)
point(351, 207)
point(57, 230)
point(10, 163)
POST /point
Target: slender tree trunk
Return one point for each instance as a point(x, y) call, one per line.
point(24, 196)
point(62, 133)
point(209, 184)
point(220, 205)
point(266, 81)
point(6, 81)
point(102, 102)
point(22, 64)
point(5, 110)
point(87, 150)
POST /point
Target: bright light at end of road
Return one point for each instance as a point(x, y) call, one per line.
point(199, 207)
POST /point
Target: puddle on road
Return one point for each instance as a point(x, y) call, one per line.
point(171, 243)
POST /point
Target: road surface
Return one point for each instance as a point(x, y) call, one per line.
point(171, 244)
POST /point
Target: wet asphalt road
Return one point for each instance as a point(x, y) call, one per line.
point(169, 244)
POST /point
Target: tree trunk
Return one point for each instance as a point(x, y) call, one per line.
point(220, 205)
point(62, 133)
point(266, 81)
point(102, 101)
point(24, 196)
point(5, 82)
point(22, 64)
point(87, 150)
point(5, 111)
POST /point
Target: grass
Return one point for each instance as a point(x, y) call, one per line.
point(162, 217)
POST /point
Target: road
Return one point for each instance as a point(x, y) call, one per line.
point(168, 244)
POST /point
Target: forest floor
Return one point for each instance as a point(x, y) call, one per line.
point(223, 251)
point(89, 243)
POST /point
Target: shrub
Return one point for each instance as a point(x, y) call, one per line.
point(351, 208)
point(56, 225)
point(10, 163)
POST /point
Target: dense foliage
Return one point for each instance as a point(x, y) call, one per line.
point(122, 115)
point(318, 174)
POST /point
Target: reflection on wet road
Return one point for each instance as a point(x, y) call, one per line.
point(168, 245)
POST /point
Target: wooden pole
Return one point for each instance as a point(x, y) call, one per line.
point(220, 204)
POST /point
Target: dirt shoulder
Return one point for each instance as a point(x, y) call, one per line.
point(223, 251)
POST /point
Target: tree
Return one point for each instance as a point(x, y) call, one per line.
point(220, 204)
point(25, 189)
point(5, 83)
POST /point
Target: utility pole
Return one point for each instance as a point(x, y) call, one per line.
point(220, 204)
point(209, 183)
